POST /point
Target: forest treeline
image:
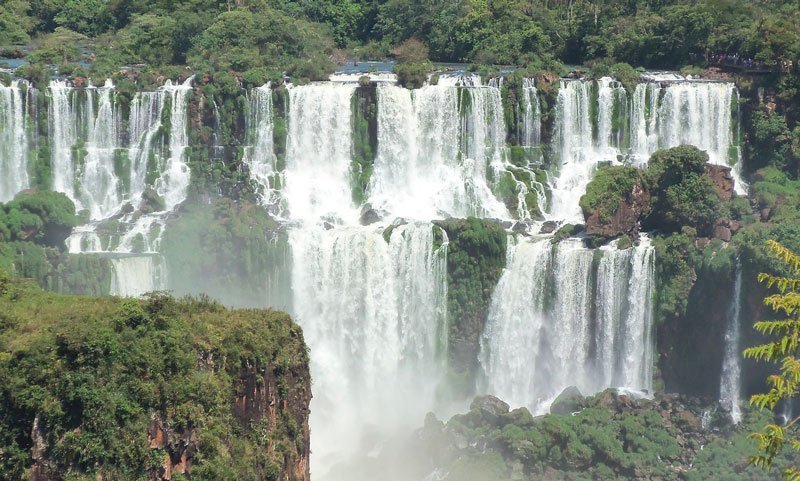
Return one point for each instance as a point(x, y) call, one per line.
point(305, 38)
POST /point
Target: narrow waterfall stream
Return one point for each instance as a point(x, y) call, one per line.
point(730, 389)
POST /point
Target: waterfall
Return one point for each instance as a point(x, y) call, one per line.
point(143, 127)
point(730, 388)
point(560, 318)
point(99, 189)
point(694, 113)
point(64, 121)
point(259, 154)
point(531, 125)
point(136, 275)
point(318, 153)
point(173, 182)
point(438, 146)
point(584, 137)
point(13, 140)
point(373, 314)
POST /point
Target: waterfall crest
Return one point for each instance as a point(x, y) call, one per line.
point(438, 148)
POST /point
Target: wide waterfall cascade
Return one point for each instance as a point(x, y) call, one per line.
point(259, 154)
point(694, 113)
point(438, 146)
point(14, 142)
point(318, 153)
point(563, 315)
point(730, 389)
point(136, 275)
point(585, 136)
point(89, 150)
point(88, 122)
point(373, 314)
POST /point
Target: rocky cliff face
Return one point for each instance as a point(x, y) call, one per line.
point(154, 389)
point(626, 218)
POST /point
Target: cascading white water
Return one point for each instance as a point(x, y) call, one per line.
point(530, 134)
point(436, 150)
point(259, 154)
point(693, 113)
point(63, 135)
point(373, 314)
point(13, 140)
point(556, 320)
point(136, 275)
point(318, 153)
point(173, 183)
point(578, 149)
point(99, 189)
point(731, 382)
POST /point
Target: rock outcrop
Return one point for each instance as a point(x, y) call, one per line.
point(723, 181)
point(626, 218)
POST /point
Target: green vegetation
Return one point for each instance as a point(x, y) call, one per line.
point(227, 250)
point(610, 437)
point(83, 380)
point(781, 348)
point(476, 256)
point(33, 227)
point(43, 217)
point(681, 194)
point(413, 66)
point(610, 186)
point(265, 38)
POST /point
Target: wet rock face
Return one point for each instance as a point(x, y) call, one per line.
point(722, 179)
point(625, 220)
point(261, 399)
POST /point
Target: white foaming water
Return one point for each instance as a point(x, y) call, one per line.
point(136, 275)
point(259, 154)
point(693, 113)
point(556, 320)
point(173, 182)
point(86, 140)
point(373, 315)
point(578, 149)
point(730, 389)
point(13, 141)
point(531, 125)
point(318, 153)
point(64, 122)
point(88, 121)
point(436, 148)
point(99, 189)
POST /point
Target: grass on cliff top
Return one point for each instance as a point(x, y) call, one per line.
point(94, 370)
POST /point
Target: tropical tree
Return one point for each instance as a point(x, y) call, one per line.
point(783, 349)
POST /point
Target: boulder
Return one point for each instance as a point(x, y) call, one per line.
point(548, 227)
point(369, 216)
point(723, 233)
point(490, 408)
point(722, 179)
point(568, 402)
point(626, 218)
